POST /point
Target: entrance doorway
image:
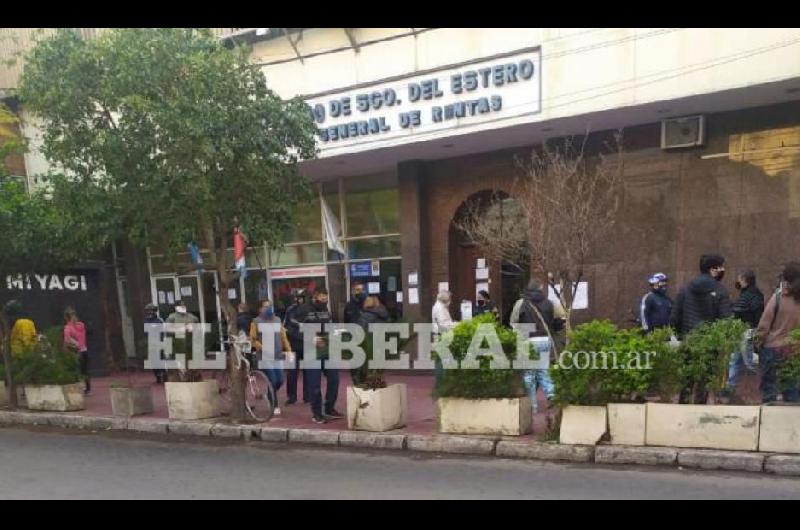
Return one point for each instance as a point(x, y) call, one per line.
point(505, 280)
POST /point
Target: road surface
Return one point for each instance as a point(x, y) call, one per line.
point(40, 463)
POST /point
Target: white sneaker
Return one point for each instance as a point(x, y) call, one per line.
point(277, 411)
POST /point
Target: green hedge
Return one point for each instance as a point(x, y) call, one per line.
point(480, 383)
point(636, 365)
point(47, 365)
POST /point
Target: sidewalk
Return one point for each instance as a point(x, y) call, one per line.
point(421, 406)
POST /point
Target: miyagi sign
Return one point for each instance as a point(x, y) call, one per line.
point(46, 282)
point(480, 94)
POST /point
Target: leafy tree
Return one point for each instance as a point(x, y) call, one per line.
point(174, 139)
point(33, 235)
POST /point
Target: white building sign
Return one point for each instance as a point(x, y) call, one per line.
point(426, 106)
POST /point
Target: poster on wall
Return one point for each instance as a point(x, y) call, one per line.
point(376, 268)
point(186, 291)
point(482, 274)
point(412, 279)
point(391, 284)
point(232, 294)
point(466, 310)
point(481, 263)
point(162, 297)
point(481, 287)
point(170, 297)
point(444, 287)
point(374, 287)
point(413, 296)
point(581, 300)
point(399, 297)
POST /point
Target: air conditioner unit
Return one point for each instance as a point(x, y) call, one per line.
point(689, 131)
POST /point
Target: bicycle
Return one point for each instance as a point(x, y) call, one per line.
point(257, 386)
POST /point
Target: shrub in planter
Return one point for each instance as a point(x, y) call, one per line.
point(616, 367)
point(624, 366)
point(51, 377)
point(482, 400)
point(372, 405)
point(707, 349)
point(789, 370)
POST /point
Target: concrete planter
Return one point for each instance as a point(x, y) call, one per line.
point(703, 426)
point(582, 425)
point(193, 401)
point(627, 423)
point(55, 398)
point(780, 429)
point(134, 401)
point(4, 395)
point(507, 417)
point(383, 409)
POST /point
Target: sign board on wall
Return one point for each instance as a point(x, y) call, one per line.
point(428, 105)
point(297, 272)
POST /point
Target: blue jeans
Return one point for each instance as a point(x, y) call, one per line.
point(275, 376)
point(738, 362)
point(538, 378)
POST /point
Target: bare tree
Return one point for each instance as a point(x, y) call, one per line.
point(565, 203)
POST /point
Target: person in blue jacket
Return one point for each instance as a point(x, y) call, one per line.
point(656, 306)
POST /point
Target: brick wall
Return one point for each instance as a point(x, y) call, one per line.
point(677, 206)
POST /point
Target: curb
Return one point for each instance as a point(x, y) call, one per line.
point(776, 464)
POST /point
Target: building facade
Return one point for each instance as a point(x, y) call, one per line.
point(413, 123)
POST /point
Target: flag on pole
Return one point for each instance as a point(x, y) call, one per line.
point(239, 245)
point(333, 229)
point(197, 259)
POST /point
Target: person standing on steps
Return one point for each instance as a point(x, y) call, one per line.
point(317, 312)
point(296, 341)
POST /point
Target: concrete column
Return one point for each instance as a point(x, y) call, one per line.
point(413, 237)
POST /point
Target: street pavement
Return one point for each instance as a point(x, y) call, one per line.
point(40, 463)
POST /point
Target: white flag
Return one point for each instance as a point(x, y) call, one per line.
point(333, 229)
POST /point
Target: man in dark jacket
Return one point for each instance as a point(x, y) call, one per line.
point(656, 306)
point(704, 299)
point(352, 309)
point(151, 317)
point(372, 312)
point(525, 312)
point(317, 312)
point(296, 341)
point(747, 308)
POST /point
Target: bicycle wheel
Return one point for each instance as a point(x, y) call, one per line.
point(256, 393)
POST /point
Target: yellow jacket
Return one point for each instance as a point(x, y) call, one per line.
point(23, 336)
point(254, 335)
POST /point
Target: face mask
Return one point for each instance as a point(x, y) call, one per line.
point(180, 309)
point(268, 313)
point(738, 285)
point(481, 303)
point(320, 304)
point(720, 275)
point(661, 290)
point(360, 297)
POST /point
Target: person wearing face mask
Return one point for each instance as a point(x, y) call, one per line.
point(352, 310)
point(296, 340)
point(352, 315)
point(317, 312)
point(747, 308)
point(704, 299)
point(656, 306)
point(780, 318)
point(483, 304)
point(151, 317)
point(275, 375)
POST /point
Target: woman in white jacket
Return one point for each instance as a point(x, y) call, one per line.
point(440, 315)
point(442, 323)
